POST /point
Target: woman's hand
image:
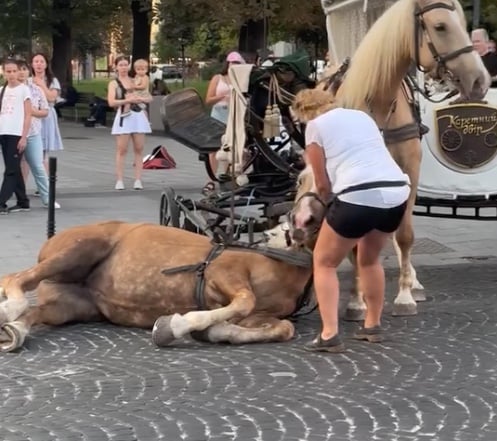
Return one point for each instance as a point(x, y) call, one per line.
point(21, 145)
point(39, 82)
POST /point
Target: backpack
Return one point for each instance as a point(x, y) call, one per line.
point(159, 159)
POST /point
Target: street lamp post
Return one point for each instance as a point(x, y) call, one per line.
point(30, 29)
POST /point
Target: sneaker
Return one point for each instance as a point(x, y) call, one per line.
point(333, 344)
point(56, 205)
point(119, 185)
point(17, 208)
point(138, 185)
point(36, 194)
point(4, 210)
point(373, 335)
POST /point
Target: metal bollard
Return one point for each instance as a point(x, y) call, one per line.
point(52, 178)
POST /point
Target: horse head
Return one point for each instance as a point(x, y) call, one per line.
point(443, 47)
point(307, 214)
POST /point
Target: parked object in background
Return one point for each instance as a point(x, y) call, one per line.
point(165, 72)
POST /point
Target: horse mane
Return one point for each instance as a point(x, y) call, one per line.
point(374, 64)
point(305, 181)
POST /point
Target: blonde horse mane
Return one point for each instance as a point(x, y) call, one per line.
point(305, 181)
point(375, 63)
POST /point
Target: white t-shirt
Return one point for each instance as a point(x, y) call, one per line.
point(12, 114)
point(356, 153)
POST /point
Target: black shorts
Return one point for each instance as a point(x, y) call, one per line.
point(354, 221)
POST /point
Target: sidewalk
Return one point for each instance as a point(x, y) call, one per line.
point(85, 189)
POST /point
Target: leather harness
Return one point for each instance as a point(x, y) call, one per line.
point(302, 259)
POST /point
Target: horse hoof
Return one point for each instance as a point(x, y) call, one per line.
point(419, 296)
point(354, 315)
point(162, 333)
point(13, 335)
point(404, 309)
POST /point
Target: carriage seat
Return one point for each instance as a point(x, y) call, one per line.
point(186, 120)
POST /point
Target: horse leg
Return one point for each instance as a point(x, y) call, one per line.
point(252, 329)
point(404, 304)
point(58, 303)
point(356, 307)
point(407, 154)
point(242, 302)
point(68, 264)
point(416, 284)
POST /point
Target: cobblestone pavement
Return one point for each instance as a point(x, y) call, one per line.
point(433, 379)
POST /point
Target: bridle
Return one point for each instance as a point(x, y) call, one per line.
point(420, 27)
point(307, 194)
point(311, 194)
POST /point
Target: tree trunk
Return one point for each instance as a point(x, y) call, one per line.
point(251, 37)
point(62, 42)
point(141, 10)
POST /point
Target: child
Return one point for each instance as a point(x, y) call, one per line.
point(15, 123)
point(141, 86)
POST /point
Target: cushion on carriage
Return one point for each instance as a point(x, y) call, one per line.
point(460, 151)
point(186, 120)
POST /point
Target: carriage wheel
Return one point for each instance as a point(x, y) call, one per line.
point(169, 211)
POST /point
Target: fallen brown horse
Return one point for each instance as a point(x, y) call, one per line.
point(145, 275)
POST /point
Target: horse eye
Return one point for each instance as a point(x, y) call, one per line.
point(440, 27)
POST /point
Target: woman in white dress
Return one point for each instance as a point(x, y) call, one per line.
point(134, 126)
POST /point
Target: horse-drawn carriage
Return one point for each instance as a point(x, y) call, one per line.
point(257, 151)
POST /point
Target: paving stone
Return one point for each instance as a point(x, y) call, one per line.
point(432, 379)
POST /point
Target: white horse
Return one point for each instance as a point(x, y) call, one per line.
point(433, 34)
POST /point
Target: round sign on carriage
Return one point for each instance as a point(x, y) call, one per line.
point(460, 150)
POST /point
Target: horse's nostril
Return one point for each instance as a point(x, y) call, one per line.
point(298, 234)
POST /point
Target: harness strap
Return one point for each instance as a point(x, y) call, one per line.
point(293, 258)
point(199, 268)
point(123, 93)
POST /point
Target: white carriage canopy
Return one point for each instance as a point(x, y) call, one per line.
point(347, 22)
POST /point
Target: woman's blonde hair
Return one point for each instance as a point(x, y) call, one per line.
point(310, 103)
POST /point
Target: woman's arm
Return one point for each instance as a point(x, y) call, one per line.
point(40, 104)
point(39, 113)
point(50, 94)
point(316, 158)
point(21, 145)
point(211, 97)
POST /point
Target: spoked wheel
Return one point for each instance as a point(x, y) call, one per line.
point(169, 211)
